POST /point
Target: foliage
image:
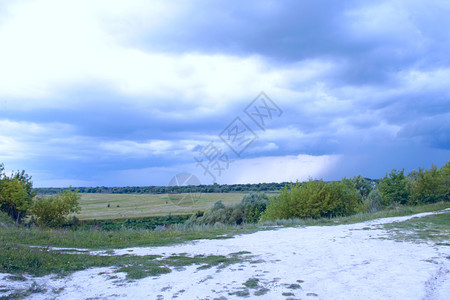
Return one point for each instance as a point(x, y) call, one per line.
point(394, 188)
point(119, 224)
point(374, 201)
point(429, 186)
point(248, 210)
point(213, 188)
point(53, 211)
point(16, 194)
point(314, 199)
point(363, 185)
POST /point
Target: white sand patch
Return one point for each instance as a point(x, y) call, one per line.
point(328, 262)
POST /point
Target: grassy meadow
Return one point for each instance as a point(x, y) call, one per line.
point(121, 206)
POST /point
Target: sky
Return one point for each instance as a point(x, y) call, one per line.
point(132, 93)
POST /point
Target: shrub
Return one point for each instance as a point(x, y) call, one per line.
point(313, 199)
point(53, 211)
point(374, 201)
point(248, 210)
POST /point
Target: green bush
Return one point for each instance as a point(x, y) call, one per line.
point(53, 211)
point(247, 211)
point(314, 199)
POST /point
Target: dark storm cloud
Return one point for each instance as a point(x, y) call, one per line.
point(367, 81)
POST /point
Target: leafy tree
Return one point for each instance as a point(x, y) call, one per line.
point(53, 211)
point(374, 201)
point(394, 188)
point(444, 174)
point(363, 186)
point(426, 188)
point(16, 194)
point(13, 199)
point(431, 185)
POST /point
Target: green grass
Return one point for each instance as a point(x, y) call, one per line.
point(97, 239)
point(15, 259)
point(121, 206)
point(252, 283)
point(434, 228)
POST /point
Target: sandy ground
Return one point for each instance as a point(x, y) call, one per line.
point(356, 261)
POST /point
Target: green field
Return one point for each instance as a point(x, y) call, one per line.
point(95, 205)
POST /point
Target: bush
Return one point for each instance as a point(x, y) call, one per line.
point(313, 199)
point(248, 210)
point(53, 211)
point(374, 201)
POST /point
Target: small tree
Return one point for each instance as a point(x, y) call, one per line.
point(394, 188)
point(13, 199)
point(426, 188)
point(16, 194)
point(444, 174)
point(363, 186)
point(53, 211)
point(374, 201)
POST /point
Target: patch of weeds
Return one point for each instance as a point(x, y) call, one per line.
point(219, 260)
point(300, 281)
point(240, 293)
point(35, 288)
point(57, 291)
point(240, 253)
point(294, 286)
point(251, 283)
point(258, 261)
point(443, 244)
point(261, 291)
point(288, 294)
point(205, 279)
point(312, 295)
point(139, 272)
point(16, 278)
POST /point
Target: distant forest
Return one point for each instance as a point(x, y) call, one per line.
point(213, 188)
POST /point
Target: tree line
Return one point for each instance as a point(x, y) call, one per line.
point(213, 188)
point(320, 199)
point(309, 199)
